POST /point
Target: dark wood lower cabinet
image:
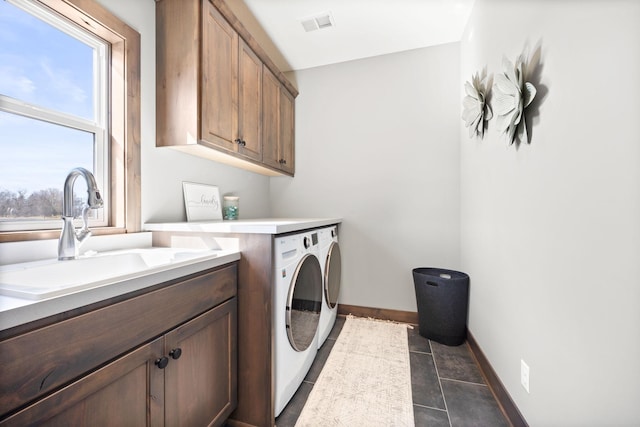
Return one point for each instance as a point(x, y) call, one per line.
point(185, 377)
point(127, 392)
point(200, 386)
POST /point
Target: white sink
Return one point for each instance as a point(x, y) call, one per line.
point(50, 278)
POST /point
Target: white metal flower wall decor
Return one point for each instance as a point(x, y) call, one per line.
point(512, 96)
point(476, 108)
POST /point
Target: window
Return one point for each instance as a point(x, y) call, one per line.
point(69, 96)
point(53, 103)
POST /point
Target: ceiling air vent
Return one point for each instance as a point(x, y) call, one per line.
point(318, 22)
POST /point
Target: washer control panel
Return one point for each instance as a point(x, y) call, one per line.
point(310, 240)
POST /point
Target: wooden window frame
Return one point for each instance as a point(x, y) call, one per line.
point(124, 117)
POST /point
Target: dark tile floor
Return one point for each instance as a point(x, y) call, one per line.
point(448, 389)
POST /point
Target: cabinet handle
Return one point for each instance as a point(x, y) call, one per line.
point(162, 362)
point(175, 353)
point(243, 143)
point(238, 141)
point(282, 161)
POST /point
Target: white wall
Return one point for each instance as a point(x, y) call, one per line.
point(377, 144)
point(163, 169)
point(386, 130)
point(551, 230)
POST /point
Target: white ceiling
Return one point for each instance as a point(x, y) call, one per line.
point(363, 28)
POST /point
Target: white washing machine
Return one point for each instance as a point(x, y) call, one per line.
point(296, 308)
point(331, 264)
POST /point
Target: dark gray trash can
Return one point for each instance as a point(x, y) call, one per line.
point(443, 299)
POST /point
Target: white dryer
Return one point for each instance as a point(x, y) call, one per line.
point(296, 311)
point(331, 264)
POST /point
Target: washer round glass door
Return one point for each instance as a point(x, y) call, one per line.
point(304, 302)
point(332, 274)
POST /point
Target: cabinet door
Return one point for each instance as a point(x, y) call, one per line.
point(270, 118)
point(287, 131)
point(201, 384)
point(250, 93)
point(127, 392)
point(219, 96)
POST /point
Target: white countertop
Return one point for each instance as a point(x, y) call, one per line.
point(16, 311)
point(248, 226)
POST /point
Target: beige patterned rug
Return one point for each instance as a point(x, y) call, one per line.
point(366, 380)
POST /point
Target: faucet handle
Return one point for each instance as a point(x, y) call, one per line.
point(84, 232)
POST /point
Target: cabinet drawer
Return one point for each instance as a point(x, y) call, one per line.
point(37, 362)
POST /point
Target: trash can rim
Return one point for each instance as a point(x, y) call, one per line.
point(435, 272)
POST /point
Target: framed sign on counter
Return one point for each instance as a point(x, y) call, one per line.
point(202, 202)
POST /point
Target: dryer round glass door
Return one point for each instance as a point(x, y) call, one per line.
point(304, 302)
point(332, 274)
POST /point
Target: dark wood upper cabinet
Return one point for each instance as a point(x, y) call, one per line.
point(277, 124)
point(219, 80)
point(270, 118)
point(250, 95)
point(210, 90)
point(287, 132)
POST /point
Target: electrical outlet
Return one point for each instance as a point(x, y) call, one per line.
point(524, 375)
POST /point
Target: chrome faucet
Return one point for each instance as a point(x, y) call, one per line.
point(70, 240)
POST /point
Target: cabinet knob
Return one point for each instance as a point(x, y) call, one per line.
point(282, 161)
point(238, 141)
point(175, 353)
point(162, 362)
point(243, 143)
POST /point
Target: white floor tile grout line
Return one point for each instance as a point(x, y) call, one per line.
point(419, 352)
point(430, 407)
point(463, 381)
point(444, 399)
